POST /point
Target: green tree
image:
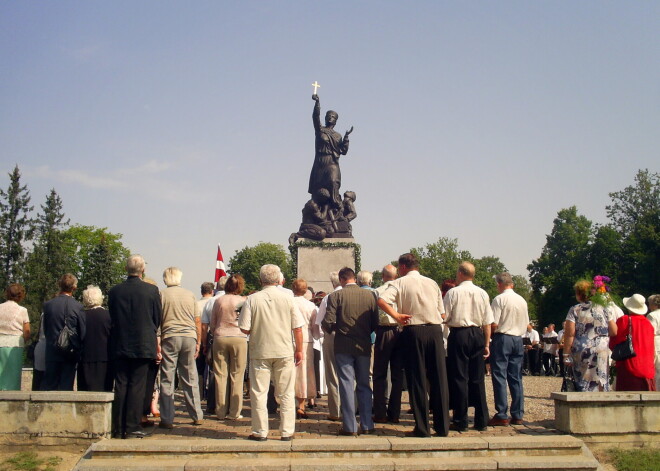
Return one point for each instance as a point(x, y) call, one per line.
point(439, 260)
point(635, 216)
point(96, 256)
point(523, 287)
point(564, 259)
point(249, 260)
point(48, 260)
point(485, 270)
point(15, 228)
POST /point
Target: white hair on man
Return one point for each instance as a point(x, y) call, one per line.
point(365, 278)
point(222, 282)
point(172, 276)
point(135, 265)
point(334, 278)
point(92, 297)
point(270, 274)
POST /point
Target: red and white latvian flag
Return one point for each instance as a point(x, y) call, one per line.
point(219, 267)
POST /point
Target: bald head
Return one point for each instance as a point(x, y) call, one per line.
point(389, 272)
point(465, 271)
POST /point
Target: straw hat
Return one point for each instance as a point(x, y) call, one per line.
point(636, 304)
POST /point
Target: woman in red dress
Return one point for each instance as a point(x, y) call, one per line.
point(636, 373)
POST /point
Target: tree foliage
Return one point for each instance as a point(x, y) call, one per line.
point(249, 260)
point(15, 228)
point(48, 260)
point(96, 256)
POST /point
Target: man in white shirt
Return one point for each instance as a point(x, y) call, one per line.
point(469, 318)
point(419, 305)
point(531, 361)
point(549, 350)
point(510, 318)
point(329, 365)
point(268, 317)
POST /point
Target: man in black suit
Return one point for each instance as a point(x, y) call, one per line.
point(352, 314)
point(61, 310)
point(135, 310)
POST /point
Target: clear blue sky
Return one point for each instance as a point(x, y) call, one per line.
point(184, 124)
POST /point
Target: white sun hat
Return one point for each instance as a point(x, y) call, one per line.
point(636, 304)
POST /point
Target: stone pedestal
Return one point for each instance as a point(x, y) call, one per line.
point(316, 259)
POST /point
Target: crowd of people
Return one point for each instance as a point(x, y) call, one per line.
point(362, 345)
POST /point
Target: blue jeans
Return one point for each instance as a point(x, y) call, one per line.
point(506, 358)
point(353, 372)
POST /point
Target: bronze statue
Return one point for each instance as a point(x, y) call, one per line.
point(325, 215)
point(329, 147)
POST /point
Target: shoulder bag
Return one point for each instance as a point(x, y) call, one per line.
point(68, 342)
point(625, 350)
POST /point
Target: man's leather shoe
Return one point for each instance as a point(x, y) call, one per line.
point(497, 422)
point(393, 421)
point(515, 422)
point(287, 439)
point(480, 429)
point(457, 428)
point(147, 423)
point(332, 418)
point(256, 438)
point(197, 422)
point(380, 420)
point(370, 431)
point(345, 433)
point(137, 434)
point(165, 425)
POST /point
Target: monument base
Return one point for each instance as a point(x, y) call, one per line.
point(314, 260)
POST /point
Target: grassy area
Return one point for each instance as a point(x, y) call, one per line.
point(30, 461)
point(641, 459)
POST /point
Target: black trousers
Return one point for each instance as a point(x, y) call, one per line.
point(95, 376)
point(59, 376)
point(130, 386)
point(317, 371)
point(466, 375)
point(387, 354)
point(549, 363)
point(424, 355)
point(533, 361)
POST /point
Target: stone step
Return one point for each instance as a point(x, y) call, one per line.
point(548, 463)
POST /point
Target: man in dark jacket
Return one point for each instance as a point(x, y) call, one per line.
point(61, 310)
point(135, 310)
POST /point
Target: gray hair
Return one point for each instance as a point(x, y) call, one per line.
point(364, 278)
point(389, 271)
point(172, 276)
point(92, 297)
point(654, 300)
point(222, 282)
point(135, 265)
point(334, 279)
point(270, 274)
point(504, 278)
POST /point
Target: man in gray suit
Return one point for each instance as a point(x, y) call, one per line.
point(352, 314)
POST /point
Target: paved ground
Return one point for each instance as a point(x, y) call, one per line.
point(539, 418)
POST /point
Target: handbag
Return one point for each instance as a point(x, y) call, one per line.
point(624, 350)
point(568, 384)
point(68, 342)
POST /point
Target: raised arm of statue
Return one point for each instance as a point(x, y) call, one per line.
point(316, 114)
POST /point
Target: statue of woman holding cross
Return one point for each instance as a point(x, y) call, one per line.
point(329, 147)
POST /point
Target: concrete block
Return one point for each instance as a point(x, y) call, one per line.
point(597, 397)
point(15, 395)
point(547, 463)
point(315, 263)
point(130, 465)
point(71, 396)
point(333, 464)
point(542, 441)
point(437, 444)
point(238, 464)
point(451, 463)
point(325, 445)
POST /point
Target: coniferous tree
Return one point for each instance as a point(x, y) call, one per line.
point(15, 228)
point(48, 260)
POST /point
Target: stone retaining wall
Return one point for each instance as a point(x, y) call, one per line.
point(58, 415)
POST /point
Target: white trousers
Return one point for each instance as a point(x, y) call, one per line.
point(283, 373)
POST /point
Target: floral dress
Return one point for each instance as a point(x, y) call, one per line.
point(590, 350)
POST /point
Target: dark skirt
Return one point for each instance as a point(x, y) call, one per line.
point(626, 381)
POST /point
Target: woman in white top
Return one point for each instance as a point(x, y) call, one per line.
point(654, 317)
point(14, 332)
point(305, 387)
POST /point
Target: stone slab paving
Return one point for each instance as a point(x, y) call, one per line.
point(539, 421)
